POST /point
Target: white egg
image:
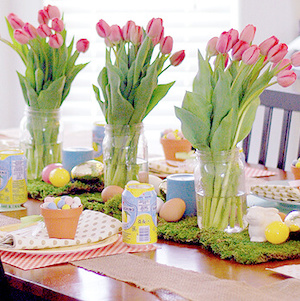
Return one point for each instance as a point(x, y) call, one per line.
point(133, 182)
point(159, 203)
point(155, 181)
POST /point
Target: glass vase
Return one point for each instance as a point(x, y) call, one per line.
point(220, 190)
point(41, 140)
point(125, 154)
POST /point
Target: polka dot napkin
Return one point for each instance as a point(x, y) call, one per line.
point(92, 227)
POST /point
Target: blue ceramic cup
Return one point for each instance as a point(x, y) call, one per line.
point(182, 186)
point(75, 155)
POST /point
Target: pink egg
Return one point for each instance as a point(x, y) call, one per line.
point(46, 171)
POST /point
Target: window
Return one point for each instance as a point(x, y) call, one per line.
point(191, 25)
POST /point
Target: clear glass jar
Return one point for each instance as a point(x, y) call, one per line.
point(125, 154)
point(220, 190)
point(41, 137)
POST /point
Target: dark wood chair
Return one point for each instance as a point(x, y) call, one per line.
point(271, 99)
point(5, 293)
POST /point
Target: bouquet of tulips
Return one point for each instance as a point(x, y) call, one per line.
point(220, 111)
point(50, 71)
point(129, 82)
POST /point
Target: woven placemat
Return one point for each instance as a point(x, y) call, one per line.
point(152, 276)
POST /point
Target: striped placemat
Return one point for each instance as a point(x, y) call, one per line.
point(28, 261)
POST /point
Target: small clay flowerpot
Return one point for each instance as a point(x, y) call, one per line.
point(172, 146)
point(61, 223)
point(296, 172)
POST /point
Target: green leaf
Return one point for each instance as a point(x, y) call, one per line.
point(223, 136)
point(119, 110)
point(98, 98)
point(29, 93)
point(246, 120)
point(202, 82)
point(39, 80)
point(29, 72)
point(194, 129)
point(159, 92)
point(51, 98)
point(144, 93)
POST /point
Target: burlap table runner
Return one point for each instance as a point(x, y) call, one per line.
point(152, 276)
point(6, 220)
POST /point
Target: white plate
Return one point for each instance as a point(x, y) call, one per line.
point(286, 203)
point(66, 250)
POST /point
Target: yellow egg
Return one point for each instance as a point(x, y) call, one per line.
point(110, 191)
point(172, 210)
point(277, 232)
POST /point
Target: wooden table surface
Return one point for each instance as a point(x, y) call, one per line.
point(67, 282)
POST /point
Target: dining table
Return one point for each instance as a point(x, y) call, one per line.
point(67, 281)
point(70, 282)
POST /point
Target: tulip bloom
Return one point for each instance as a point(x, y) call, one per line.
point(103, 29)
point(116, 35)
point(154, 28)
point(277, 53)
point(251, 55)
point(30, 30)
point(224, 42)
point(136, 35)
point(82, 45)
point(15, 21)
point(166, 45)
point(52, 11)
point(248, 33)
point(238, 49)
point(211, 46)
point(159, 38)
point(285, 63)
point(21, 36)
point(43, 17)
point(58, 25)
point(267, 44)
point(126, 30)
point(177, 58)
point(286, 78)
point(44, 31)
point(56, 40)
point(234, 36)
point(295, 59)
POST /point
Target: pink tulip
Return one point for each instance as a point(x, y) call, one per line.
point(108, 42)
point(286, 78)
point(82, 45)
point(251, 55)
point(154, 28)
point(248, 33)
point(295, 59)
point(126, 30)
point(234, 36)
point(56, 40)
point(15, 21)
point(238, 49)
point(277, 53)
point(21, 36)
point(177, 58)
point(136, 35)
point(211, 46)
point(30, 30)
point(166, 45)
point(43, 17)
point(44, 31)
point(58, 25)
point(103, 29)
point(52, 11)
point(267, 44)
point(159, 38)
point(224, 42)
point(116, 35)
point(285, 63)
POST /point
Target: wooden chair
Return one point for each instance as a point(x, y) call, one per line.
point(5, 293)
point(271, 99)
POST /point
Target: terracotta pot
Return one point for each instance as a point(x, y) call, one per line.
point(171, 147)
point(296, 172)
point(61, 223)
